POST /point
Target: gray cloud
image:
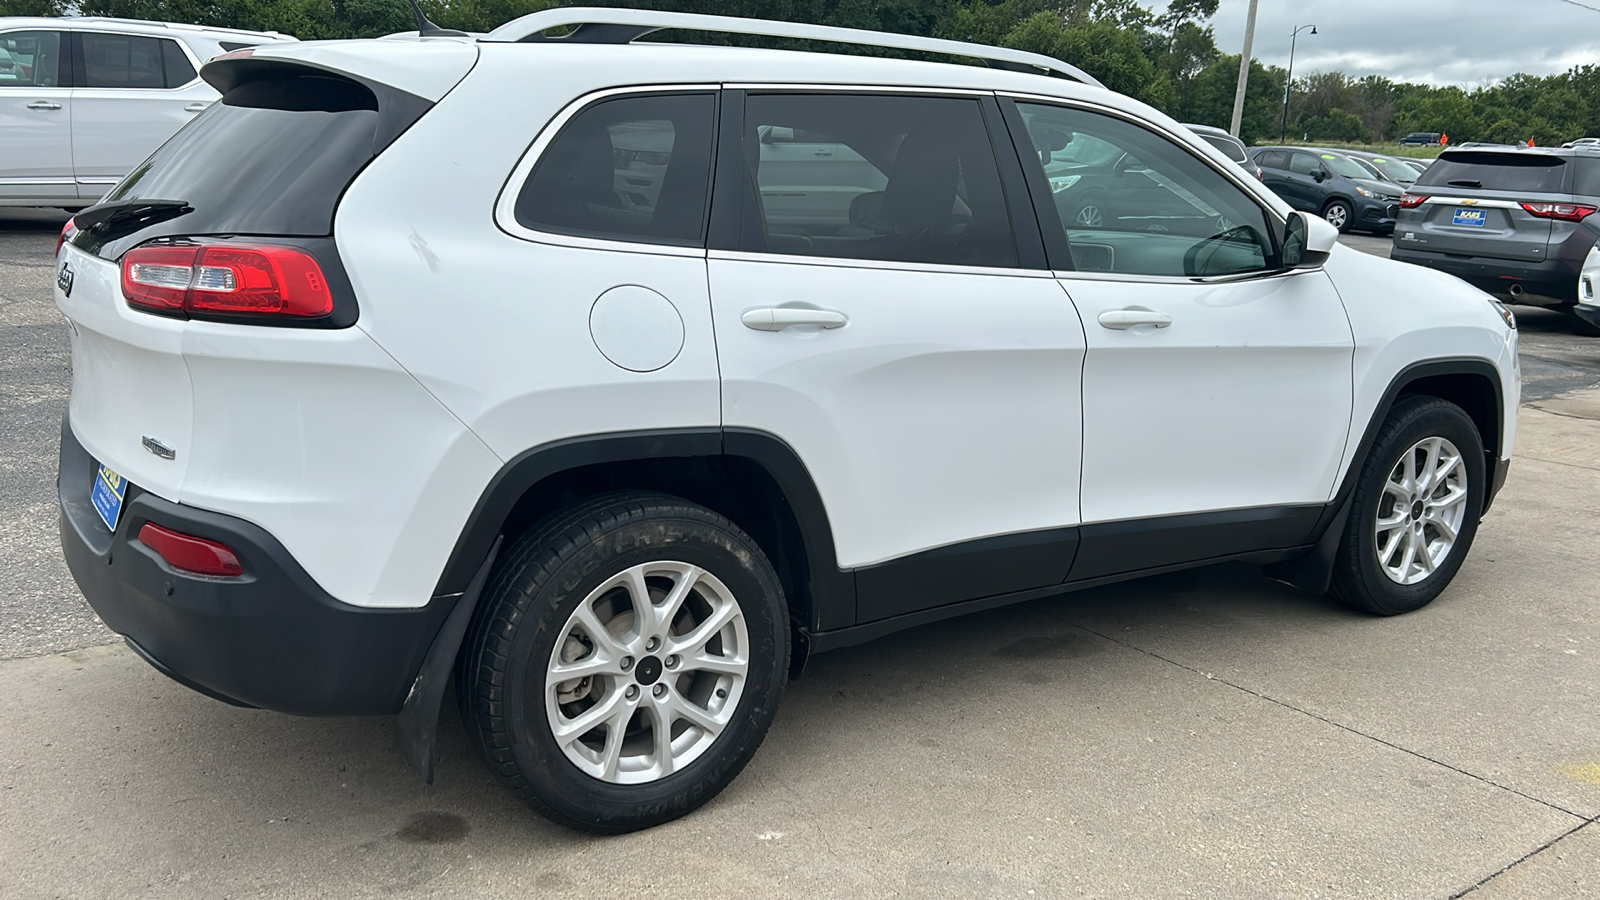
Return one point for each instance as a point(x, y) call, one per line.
point(1460, 42)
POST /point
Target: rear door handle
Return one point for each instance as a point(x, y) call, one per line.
point(777, 318)
point(43, 104)
point(196, 107)
point(1123, 319)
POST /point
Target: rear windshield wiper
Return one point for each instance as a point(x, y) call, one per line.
point(110, 221)
point(1465, 182)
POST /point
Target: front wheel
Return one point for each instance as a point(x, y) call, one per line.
point(628, 659)
point(1415, 509)
point(1339, 215)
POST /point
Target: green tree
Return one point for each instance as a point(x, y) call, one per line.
point(32, 7)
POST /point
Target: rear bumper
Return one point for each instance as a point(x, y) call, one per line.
point(271, 638)
point(1551, 282)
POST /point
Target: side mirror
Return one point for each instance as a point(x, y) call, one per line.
point(1307, 241)
point(1320, 175)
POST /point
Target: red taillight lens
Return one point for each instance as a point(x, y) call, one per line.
point(1566, 212)
point(67, 231)
point(226, 279)
point(1412, 201)
point(189, 553)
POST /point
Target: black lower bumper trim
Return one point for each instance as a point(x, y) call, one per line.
point(271, 638)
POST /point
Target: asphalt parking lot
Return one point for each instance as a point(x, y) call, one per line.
point(1203, 734)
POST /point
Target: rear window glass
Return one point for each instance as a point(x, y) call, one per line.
point(272, 157)
point(1526, 172)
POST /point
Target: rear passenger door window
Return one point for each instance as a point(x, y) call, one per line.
point(1134, 203)
point(122, 61)
point(909, 179)
point(634, 168)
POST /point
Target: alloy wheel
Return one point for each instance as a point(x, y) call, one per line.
point(1421, 512)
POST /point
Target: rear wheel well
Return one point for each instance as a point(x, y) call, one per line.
point(735, 487)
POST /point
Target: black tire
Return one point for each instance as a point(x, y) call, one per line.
point(533, 592)
point(1348, 220)
point(1580, 325)
point(1358, 578)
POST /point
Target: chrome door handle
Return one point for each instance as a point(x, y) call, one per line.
point(196, 107)
point(1123, 319)
point(43, 104)
point(778, 318)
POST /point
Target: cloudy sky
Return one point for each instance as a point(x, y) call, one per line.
point(1462, 42)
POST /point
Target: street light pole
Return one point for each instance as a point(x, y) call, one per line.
point(1283, 131)
point(1244, 71)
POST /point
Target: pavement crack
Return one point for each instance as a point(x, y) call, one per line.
point(1340, 725)
point(1524, 858)
point(1563, 414)
point(1559, 462)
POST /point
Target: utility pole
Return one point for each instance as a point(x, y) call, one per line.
point(1244, 71)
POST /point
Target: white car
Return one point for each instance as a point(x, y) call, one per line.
point(84, 100)
point(1588, 308)
point(564, 365)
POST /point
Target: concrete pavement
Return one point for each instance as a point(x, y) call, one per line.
point(1204, 734)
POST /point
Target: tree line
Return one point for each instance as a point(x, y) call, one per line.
point(1169, 59)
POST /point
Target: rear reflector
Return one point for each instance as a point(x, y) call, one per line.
point(190, 554)
point(1566, 212)
point(1412, 201)
point(225, 279)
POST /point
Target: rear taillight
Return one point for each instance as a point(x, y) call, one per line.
point(67, 231)
point(1566, 212)
point(225, 279)
point(1412, 201)
point(188, 553)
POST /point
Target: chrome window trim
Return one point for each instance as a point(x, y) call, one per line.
point(505, 217)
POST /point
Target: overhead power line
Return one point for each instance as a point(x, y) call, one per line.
point(1582, 5)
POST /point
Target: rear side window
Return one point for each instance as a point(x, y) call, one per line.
point(634, 168)
point(176, 63)
point(30, 58)
point(1526, 172)
point(272, 157)
point(897, 179)
point(1586, 178)
point(122, 61)
point(1272, 159)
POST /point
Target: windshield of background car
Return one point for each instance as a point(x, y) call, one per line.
point(1492, 171)
point(1231, 149)
point(30, 58)
point(1395, 170)
point(1343, 165)
point(272, 157)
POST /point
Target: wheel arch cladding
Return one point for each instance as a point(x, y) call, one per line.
point(1470, 383)
point(752, 478)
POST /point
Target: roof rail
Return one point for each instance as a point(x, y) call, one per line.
point(623, 26)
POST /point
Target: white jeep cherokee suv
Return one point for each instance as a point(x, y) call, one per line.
point(619, 377)
point(83, 100)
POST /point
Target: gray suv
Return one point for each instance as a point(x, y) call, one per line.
point(1516, 223)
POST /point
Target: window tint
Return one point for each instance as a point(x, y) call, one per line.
point(1497, 172)
point(899, 179)
point(1304, 164)
point(122, 61)
point(1147, 208)
point(1586, 180)
point(634, 168)
point(179, 70)
point(1272, 159)
point(30, 58)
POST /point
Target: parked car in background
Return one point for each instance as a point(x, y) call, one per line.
point(84, 100)
point(1588, 308)
point(1385, 168)
point(1231, 147)
point(1582, 142)
point(1422, 139)
point(1516, 223)
point(1331, 185)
